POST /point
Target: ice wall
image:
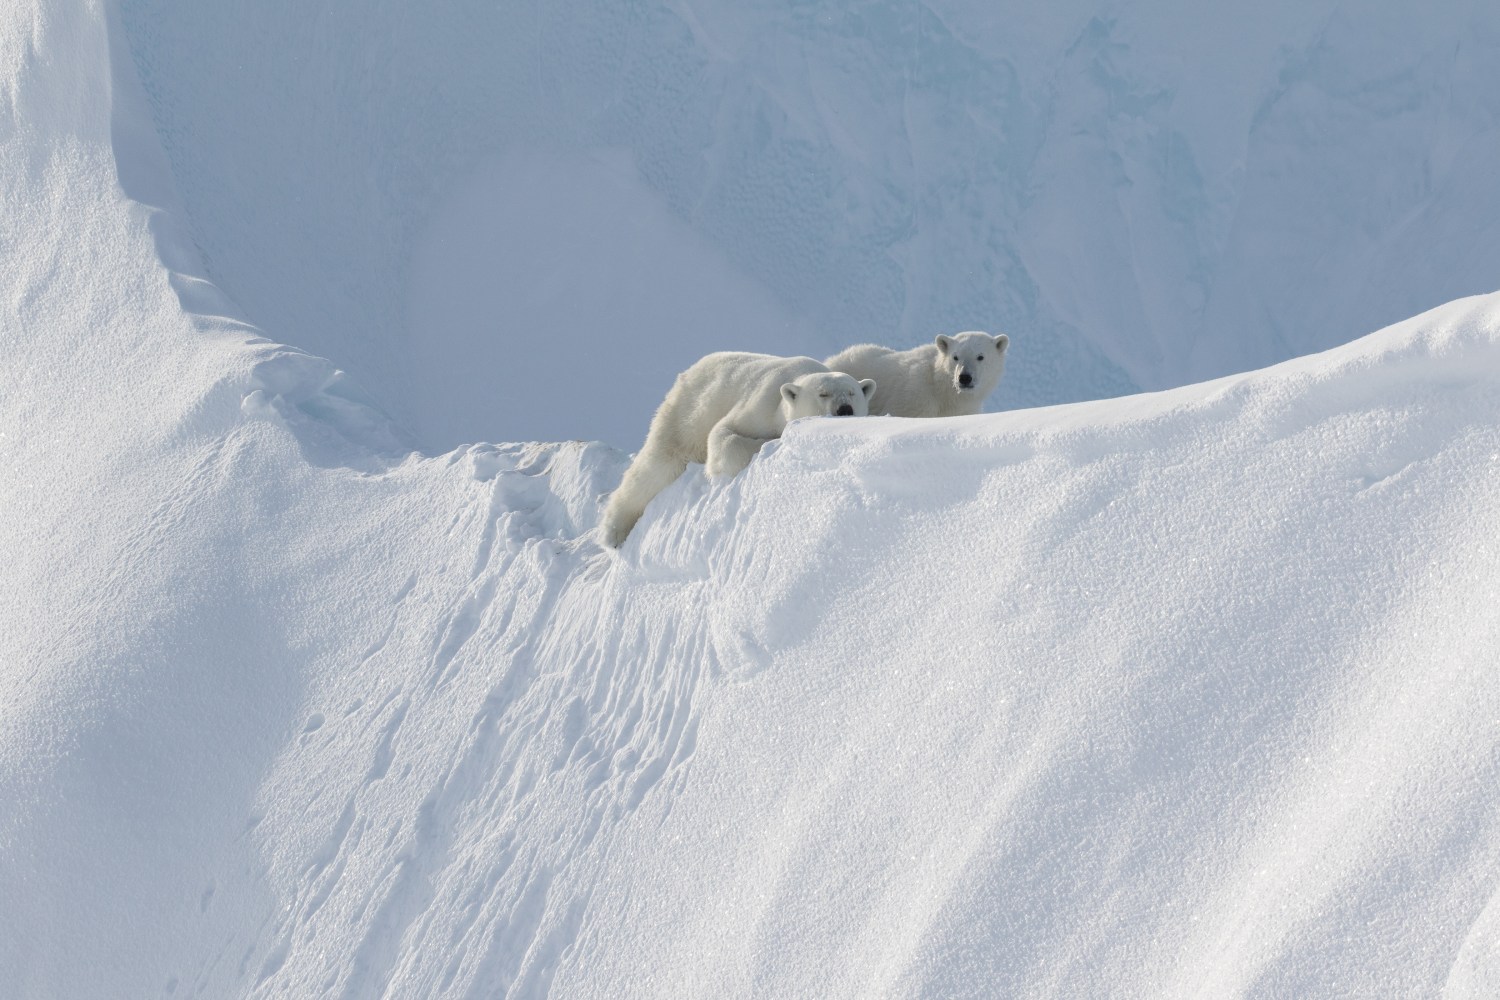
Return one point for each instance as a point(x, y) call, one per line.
point(467, 205)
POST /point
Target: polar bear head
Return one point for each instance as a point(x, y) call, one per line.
point(972, 362)
point(826, 394)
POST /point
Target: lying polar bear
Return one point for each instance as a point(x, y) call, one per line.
point(719, 412)
point(947, 378)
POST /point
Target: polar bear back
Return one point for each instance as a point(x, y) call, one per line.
point(906, 382)
point(749, 385)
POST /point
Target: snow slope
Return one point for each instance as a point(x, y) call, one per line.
point(1180, 694)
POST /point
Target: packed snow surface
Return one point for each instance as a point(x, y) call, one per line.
point(1189, 693)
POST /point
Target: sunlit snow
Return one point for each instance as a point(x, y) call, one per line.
point(314, 681)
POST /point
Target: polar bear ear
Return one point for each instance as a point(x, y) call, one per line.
point(867, 386)
point(943, 343)
point(789, 393)
point(1001, 343)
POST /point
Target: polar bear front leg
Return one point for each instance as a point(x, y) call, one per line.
point(730, 451)
point(653, 470)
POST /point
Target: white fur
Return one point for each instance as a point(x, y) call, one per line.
point(719, 412)
point(925, 381)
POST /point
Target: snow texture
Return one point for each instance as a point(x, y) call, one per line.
point(1186, 693)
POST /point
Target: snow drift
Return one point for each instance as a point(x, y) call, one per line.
point(1187, 693)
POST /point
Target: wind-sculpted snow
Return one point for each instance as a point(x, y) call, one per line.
point(1171, 695)
point(1176, 695)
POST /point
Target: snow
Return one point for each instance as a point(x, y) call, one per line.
point(1181, 693)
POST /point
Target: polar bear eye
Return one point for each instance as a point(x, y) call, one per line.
point(980, 358)
point(822, 395)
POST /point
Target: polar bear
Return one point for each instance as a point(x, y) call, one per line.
point(947, 378)
point(719, 412)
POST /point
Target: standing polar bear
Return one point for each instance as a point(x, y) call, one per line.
point(947, 378)
point(719, 412)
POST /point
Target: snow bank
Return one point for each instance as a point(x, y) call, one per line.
point(1174, 695)
point(1178, 694)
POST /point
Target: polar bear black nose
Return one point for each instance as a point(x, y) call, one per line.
point(844, 410)
point(965, 379)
